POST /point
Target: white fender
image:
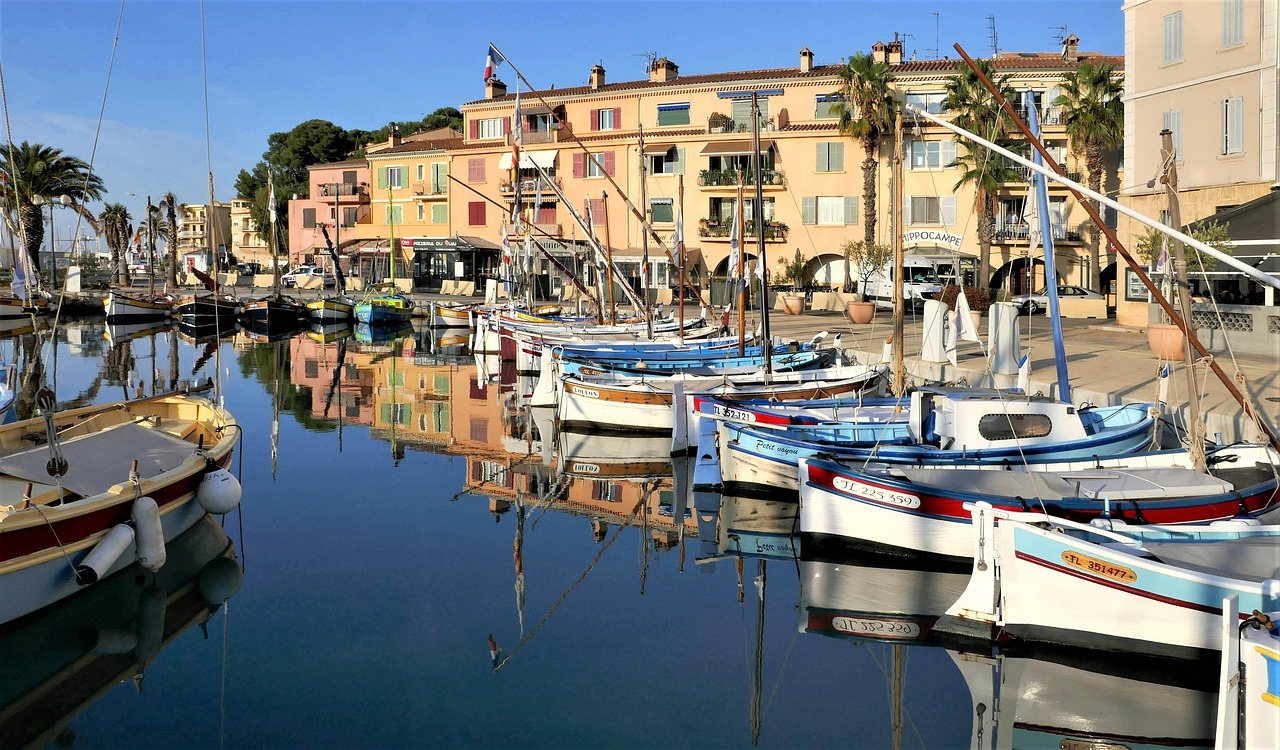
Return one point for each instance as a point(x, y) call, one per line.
point(220, 580)
point(219, 492)
point(149, 534)
point(104, 554)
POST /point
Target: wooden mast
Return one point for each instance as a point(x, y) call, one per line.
point(899, 338)
point(680, 252)
point(742, 285)
point(608, 254)
point(644, 240)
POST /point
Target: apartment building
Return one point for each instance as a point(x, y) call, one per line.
point(338, 200)
point(248, 243)
point(201, 231)
point(681, 141)
point(1206, 70)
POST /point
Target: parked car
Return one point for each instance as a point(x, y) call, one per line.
point(249, 269)
point(1030, 304)
point(292, 278)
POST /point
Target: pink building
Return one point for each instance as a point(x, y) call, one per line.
point(338, 200)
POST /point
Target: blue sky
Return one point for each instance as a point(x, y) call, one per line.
point(272, 65)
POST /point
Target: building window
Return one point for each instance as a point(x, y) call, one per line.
point(493, 127)
point(395, 214)
point(390, 177)
point(308, 218)
point(831, 211)
point(1172, 122)
point(475, 214)
point(422, 172)
point(599, 166)
point(932, 154)
point(1233, 125)
point(349, 216)
point(422, 212)
point(830, 157)
point(439, 178)
point(826, 106)
point(475, 170)
point(1232, 22)
point(929, 101)
point(669, 162)
point(928, 209)
point(742, 113)
point(606, 119)
point(673, 114)
point(440, 214)
point(662, 210)
point(1172, 38)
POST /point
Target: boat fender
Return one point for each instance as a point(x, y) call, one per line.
point(219, 492)
point(152, 603)
point(104, 554)
point(149, 534)
point(219, 580)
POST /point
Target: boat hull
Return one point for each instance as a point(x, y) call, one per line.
point(123, 308)
point(206, 310)
point(330, 310)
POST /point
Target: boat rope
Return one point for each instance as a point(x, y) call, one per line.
point(61, 547)
point(47, 403)
point(213, 226)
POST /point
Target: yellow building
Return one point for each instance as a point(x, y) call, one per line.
point(201, 231)
point(248, 244)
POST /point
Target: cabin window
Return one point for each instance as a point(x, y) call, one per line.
point(1013, 426)
point(673, 114)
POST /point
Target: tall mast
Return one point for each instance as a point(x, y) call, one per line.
point(644, 236)
point(899, 364)
point(680, 252)
point(757, 166)
point(275, 261)
point(608, 252)
point(742, 285)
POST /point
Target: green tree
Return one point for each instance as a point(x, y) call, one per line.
point(1094, 116)
point(31, 171)
point(865, 260)
point(866, 109)
point(1214, 234)
point(975, 109)
point(114, 223)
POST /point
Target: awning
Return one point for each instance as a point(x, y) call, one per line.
point(530, 159)
point(657, 148)
point(535, 109)
point(480, 243)
point(734, 148)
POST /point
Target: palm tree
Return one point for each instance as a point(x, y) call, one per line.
point(114, 222)
point(31, 171)
point(975, 109)
point(1094, 116)
point(866, 109)
point(170, 203)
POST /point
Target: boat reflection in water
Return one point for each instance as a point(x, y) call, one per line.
point(61, 659)
point(383, 334)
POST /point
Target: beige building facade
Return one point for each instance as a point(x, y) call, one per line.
point(202, 231)
point(248, 244)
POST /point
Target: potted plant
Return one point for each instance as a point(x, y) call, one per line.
point(866, 260)
point(1166, 340)
point(794, 273)
point(979, 300)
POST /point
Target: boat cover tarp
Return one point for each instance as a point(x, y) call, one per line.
point(1145, 484)
point(99, 460)
point(1254, 559)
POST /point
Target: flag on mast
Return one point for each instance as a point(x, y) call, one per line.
point(678, 239)
point(271, 196)
point(492, 61)
point(517, 134)
point(735, 242)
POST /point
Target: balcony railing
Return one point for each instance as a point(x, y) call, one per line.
point(1024, 173)
point(774, 231)
point(729, 178)
point(430, 188)
point(1018, 232)
point(726, 124)
point(341, 190)
point(533, 137)
point(529, 186)
point(540, 229)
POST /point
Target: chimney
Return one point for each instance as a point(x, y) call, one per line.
point(494, 88)
point(806, 60)
point(895, 51)
point(597, 76)
point(877, 52)
point(663, 70)
point(395, 135)
point(1071, 48)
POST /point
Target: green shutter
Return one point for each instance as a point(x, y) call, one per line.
point(822, 157)
point(851, 209)
point(440, 214)
point(837, 157)
point(809, 209)
point(679, 163)
point(382, 178)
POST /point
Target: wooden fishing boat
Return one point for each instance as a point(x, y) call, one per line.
point(18, 307)
point(384, 305)
point(274, 314)
point(331, 309)
point(613, 456)
point(445, 315)
point(1134, 589)
point(137, 474)
point(921, 510)
point(206, 309)
point(695, 367)
point(123, 307)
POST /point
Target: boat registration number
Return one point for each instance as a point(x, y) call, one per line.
point(869, 626)
point(1099, 567)
point(728, 412)
point(875, 494)
point(585, 469)
point(585, 392)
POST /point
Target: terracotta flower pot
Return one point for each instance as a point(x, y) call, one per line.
point(792, 304)
point(861, 312)
point(1167, 341)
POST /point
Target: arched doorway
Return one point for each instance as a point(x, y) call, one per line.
point(723, 291)
point(1020, 276)
point(827, 271)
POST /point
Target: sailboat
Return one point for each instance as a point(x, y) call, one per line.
point(384, 304)
point(129, 307)
point(275, 314)
point(340, 307)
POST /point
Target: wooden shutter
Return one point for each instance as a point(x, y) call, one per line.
point(679, 162)
point(607, 163)
point(948, 153)
point(382, 178)
point(579, 166)
point(947, 209)
point(617, 118)
point(595, 119)
point(475, 213)
point(474, 127)
point(907, 205)
point(822, 157)
point(1233, 125)
point(837, 156)
point(809, 209)
point(506, 125)
point(851, 209)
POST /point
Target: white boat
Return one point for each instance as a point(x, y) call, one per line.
point(135, 308)
point(445, 315)
point(1136, 589)
point(137, 474)
point(331, 309)
point(1249, 679)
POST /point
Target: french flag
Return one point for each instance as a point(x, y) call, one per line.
point(492, 61)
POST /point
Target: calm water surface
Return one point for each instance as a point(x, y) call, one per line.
point(419, 569)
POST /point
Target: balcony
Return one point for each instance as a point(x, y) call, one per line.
point(337, 190)
point(714, 229)
point(430, 189)
point(529, 186)
point(1017, 232)
point(718, 123)
point(1024, 173)
point(729, 178)
point(540, 229)
point(534, 137)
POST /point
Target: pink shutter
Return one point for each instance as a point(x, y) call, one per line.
point(475, 214)
point(579, 166)
point(548, 215)
point(608, 163)
point(474, 127)
point(617, 118)
point(506, 126)
point(595, 119)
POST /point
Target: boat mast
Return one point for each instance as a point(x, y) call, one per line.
point(757, 165)
point(608, 253)
point(275, 259)
point(151, 251)
point(1170, 180)
point(680, 252)
point(644, 237)
point(899, 336)
point(742, 285)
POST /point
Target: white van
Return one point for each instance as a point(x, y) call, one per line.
point(921, 282)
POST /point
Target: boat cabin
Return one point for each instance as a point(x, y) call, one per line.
point(972, 419)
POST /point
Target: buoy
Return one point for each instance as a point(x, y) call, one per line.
point(149, 534)
point(104, 554)
point(220, 580)
point(219, 492)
